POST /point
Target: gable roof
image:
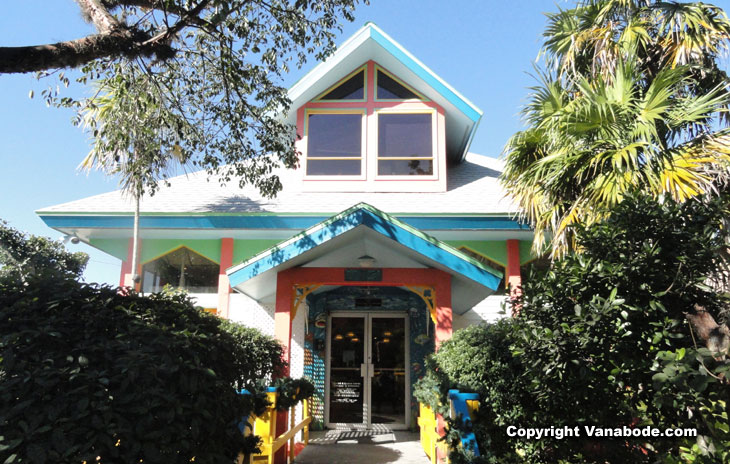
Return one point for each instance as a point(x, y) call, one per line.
point(371, 43)
point(352, 229)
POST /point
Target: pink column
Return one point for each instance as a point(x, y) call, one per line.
point(514, 279)
point(282, 332)
point(224, 287)
point(127, 274)
point(444, 314)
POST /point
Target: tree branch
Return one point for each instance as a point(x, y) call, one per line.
point(74, 53)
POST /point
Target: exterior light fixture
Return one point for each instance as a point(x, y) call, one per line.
point(71, 238)
point(366, 261)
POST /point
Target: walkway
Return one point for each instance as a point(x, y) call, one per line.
point(363, 446)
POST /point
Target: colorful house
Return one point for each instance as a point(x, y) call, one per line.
point(389, 237)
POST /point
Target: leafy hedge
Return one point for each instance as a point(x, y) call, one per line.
point(87, 373)
point(478, 359)
point(603, 338)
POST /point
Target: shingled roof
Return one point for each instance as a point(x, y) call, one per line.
point(473, 188)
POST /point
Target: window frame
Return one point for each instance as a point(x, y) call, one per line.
point(378, 70)
point(434, 148)
point(173, 250)
point(369, 180)
point(364, 70)
point(363, 145)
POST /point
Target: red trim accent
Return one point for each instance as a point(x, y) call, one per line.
point(224, 288)
point(514, 279)
point(392, 277)
point(126, 274)
point(126, 265)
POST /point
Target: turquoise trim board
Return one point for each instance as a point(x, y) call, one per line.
point(380, 222)
point(424, 74)
point(269, 222)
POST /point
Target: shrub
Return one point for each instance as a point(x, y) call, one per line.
point(478, 359)
point(257, 356)
point(605, 338)
point(87, 373)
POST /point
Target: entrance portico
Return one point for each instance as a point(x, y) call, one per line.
point(440, 280)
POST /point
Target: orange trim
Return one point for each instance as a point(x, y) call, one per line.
point(440, 281)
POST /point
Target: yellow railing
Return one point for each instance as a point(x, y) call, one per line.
point(462, 406)
point(265, 427)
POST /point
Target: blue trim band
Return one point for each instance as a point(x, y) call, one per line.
point(269, 222)
point(362, 217)
point(437, 85)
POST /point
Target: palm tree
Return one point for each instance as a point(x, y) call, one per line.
point(136, 136)
point(632, 99)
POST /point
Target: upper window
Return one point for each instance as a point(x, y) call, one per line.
point(334, 144)
point(181, 268)
point(372, 131)
point(389, 88)
point(405, 144)
point(352, 88)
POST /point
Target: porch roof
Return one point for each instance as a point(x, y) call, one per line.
point(365, 230)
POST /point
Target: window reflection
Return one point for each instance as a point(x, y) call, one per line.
point(181, 268)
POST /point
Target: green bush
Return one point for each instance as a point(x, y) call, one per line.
point(603, 339)
point(87, 373)
point(257, 356)
point(479, 359)
point(602, 331)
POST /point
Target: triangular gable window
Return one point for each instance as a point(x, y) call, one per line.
point(390, 89)
point(351, 89)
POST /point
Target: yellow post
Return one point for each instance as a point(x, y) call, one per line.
point(292, 422)
point(305, 415)
point(265, 427)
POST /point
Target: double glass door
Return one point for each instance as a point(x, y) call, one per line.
point(366, 366)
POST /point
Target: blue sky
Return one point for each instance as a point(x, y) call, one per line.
point(484, 48)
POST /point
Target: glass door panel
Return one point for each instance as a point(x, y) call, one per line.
point(347, 356)
point(388, 382)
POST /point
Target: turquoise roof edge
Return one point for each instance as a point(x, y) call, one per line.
point(471, 111)
point(379, 221)
point(395, 49)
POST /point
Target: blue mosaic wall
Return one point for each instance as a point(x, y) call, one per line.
point(391, 299)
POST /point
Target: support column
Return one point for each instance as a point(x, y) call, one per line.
point(513, 277)
point(127, 274)
point(224, 287)
point(282, 332)
point(444, 314)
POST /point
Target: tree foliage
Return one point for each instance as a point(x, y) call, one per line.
point(197, 80)
point(90, 374)
point(632, 97)
point(608, 338)
point(23, 257)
